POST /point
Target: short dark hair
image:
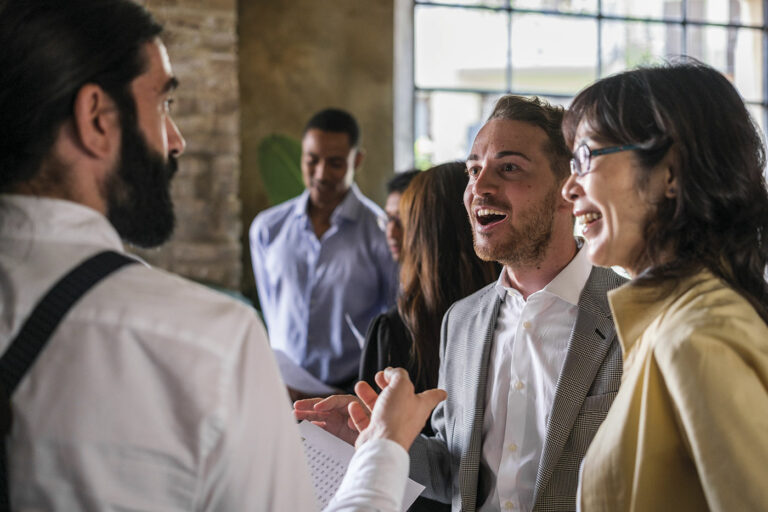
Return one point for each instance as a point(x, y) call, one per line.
point(718, 219)
point(50, 50)
point(541, 114)
point(337, 121)
point(400, 181)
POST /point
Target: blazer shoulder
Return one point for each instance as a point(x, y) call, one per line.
point(594, 295)
point(473, 303)
point(477, 304)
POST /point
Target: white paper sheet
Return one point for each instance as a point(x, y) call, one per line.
point(358, 335)
point(296, 377)
point(328, 458)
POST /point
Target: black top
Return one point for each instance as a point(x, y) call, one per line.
point(388, 343)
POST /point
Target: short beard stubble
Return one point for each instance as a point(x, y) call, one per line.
point(527, 244)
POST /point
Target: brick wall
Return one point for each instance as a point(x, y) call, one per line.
point(201, 36)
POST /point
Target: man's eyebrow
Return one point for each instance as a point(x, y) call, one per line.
point(170, 85)
point(502, 154)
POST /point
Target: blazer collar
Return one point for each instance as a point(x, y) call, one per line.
point(474, 410)
point(590, 340)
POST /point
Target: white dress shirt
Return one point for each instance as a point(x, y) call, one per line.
point(529, 347)
point(154, 393)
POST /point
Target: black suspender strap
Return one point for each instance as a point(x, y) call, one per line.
point(34, 334)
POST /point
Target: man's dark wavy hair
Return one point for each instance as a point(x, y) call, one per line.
point(719, 217)
point(50, 49)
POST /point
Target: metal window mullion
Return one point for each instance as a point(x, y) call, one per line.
point(509, 49)
point(599, 39)
point(684, 29)
point(413, 85)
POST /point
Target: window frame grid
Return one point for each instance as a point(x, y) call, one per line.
point(599, 17)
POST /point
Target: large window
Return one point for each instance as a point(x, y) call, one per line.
point(467, 53)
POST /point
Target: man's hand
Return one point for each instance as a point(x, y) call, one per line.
point(399, 413)
point(330, 413)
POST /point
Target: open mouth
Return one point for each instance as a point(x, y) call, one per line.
point(586, 219)
point(488, 216)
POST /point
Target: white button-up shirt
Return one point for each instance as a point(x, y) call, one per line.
point(154, 393)
point(529, 348)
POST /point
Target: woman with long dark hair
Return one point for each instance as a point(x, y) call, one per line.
point(438, 267)
point(667, 182)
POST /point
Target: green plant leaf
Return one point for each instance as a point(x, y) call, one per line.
point(280, 167)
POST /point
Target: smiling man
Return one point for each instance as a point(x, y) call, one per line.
point(321, 262)
point(531, 363)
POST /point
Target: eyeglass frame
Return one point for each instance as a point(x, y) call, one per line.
point(596, 152)
point(386, 220)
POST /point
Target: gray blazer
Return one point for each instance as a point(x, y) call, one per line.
point(450, 465)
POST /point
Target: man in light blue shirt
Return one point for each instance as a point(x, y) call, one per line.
point(321, 262)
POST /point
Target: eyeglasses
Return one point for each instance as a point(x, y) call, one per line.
point(583, 155)
point(386, 220)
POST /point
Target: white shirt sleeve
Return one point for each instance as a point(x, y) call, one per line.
point(255, 460)
point(375, 479)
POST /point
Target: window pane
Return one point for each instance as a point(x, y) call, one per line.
point(737, 53)
point(553, 54)
point(660, 9)
point(748, 12)
point(584, 6)
point(758, 114)
point(630, 44)
point(487, 3)
point(460, 48)
point(446, 124)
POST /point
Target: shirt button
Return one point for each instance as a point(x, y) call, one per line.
point(509, 505)
point(526, 325)
point(512, 447)
point(519, 385)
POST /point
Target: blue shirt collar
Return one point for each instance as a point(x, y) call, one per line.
point(349, 208)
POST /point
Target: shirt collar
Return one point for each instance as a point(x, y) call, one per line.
point(349, 208)
point(56, 219)
point(566, 285)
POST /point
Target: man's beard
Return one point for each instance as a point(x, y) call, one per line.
point(139, 204)
point(525, 244)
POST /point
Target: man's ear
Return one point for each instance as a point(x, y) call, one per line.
point(359, 155)
point(96, 121)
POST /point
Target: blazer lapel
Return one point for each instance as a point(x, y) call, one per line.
point(472, 420)
point(590, 340)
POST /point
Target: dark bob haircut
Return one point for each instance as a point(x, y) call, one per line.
point(718, 219)
point(50, 50)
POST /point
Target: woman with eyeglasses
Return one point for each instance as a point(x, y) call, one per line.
point(667, 182)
